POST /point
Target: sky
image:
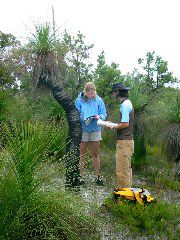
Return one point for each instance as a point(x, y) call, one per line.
point(125, 29)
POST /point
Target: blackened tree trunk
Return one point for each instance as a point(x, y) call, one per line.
point(46, 72)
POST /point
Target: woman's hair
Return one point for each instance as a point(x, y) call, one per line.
point(90, 86)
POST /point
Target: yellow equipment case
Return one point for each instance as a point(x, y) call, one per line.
point(140, 195)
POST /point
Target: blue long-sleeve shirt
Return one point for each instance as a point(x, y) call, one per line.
point(90, 108)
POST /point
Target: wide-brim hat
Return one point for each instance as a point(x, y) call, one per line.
point(119, 86)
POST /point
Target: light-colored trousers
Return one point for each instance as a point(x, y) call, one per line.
point(124, 152)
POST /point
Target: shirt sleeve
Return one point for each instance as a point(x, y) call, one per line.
point(102, 110)
point(78, 106)
point(125, 110)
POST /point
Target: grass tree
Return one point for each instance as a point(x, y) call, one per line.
point(162, 119)
point(171, 132)
point(47, 73)
point(145, 88)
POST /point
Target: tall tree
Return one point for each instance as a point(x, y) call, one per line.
point(7, 42)
point(105, 76)
point(79, 69)
point(46, 72)
point(156, 73)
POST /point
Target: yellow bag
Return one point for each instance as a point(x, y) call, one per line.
point(134, 194)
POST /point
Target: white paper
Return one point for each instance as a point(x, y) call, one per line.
point(106, 123)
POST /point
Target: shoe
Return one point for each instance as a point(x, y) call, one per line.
point(81, 181)
point(99, 181)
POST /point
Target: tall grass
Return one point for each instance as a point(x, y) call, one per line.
point(171, 136)
point(162, 119)
point(27, 144)
point(139, 100)
point(26, 211)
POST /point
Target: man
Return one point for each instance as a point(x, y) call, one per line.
point(125, 143)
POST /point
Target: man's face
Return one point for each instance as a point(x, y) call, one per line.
point(115, 94)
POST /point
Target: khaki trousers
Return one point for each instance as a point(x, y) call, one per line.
point(124, 152)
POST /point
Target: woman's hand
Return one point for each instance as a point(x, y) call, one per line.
point(97, 117)
point(107, 127)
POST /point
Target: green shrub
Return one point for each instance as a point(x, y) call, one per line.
point(26, 211)
point(42, 215)
point(160, 219)
point(158, 172)
point(21, 108)
point(139, 159)
point(5, 100)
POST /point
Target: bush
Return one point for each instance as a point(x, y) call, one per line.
point(160, 219)
point(26, 211)
point(43, 215)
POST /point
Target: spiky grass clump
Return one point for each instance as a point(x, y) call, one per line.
point(174, 109)
point(28, 212)
point(159, 173)
point(27, 144)
point(161, 120)
point(41, 215)
point(171, 139)
point(171, 135)
point(43, 39)
point(139, 100)
point(138, 96)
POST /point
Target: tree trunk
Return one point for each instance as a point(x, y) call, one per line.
point(47, 73)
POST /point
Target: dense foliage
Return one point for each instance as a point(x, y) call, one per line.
point(34, 130)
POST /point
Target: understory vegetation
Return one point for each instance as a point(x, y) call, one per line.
point(35, 202)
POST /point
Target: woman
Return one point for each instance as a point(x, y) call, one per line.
point(91, 108)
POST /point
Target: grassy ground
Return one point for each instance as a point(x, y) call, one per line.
point(128, 221)
point(89, 212)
